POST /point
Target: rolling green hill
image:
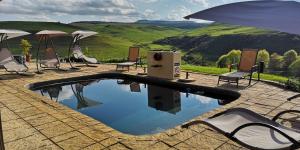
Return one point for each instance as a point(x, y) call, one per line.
point(112, 42)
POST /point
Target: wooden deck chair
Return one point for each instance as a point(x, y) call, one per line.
point(132, 59)
point(252, 130)
point(246, 67)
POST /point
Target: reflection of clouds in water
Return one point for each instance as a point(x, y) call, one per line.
point(124, 87)
point(66, 93)
point(202, 99)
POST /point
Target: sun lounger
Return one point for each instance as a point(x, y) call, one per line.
point(246, 67)
point(78, 54)
point(8, 62)
point(253, 130)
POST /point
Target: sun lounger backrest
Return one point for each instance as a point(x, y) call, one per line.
point(248, 60)
point(134, 53)
point(50, 54)
point(5, 55)
point(77, 52)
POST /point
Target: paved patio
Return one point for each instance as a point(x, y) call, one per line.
point(31, 121)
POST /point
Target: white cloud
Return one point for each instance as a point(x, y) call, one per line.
point(150, 14)
point(179, 13)
point(48, 8)
point(204, 3)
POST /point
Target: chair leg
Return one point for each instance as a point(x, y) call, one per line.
point(250, 80)
point(218, 81)
point(237, 83)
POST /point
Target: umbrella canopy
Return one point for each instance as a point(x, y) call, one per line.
point(283, 16)
point(84, 34)
point(13, 33)
point(51, 33)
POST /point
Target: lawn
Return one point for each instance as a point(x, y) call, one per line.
point(218, 71)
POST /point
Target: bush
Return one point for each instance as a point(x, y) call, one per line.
point(234, 56)
point(26, 46)
point(288, 58)
point(263, 55)
point(294, 68)
point(222, 61)
point(275, 62)
point(231, 57)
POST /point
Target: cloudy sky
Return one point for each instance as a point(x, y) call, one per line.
point(102, 10)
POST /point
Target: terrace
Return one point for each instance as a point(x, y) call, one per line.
point(31, 121)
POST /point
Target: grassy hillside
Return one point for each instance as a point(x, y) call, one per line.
point(112, 42)
point(217, 29)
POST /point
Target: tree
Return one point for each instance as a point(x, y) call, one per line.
point(275, 62)
point(294, 68)
point(234, 56)
point(263, 55)
point(288, 58)
point(231, 57)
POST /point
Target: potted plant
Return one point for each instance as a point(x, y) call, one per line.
point(26, 46)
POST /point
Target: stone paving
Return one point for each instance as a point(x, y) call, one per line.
point(31, 121)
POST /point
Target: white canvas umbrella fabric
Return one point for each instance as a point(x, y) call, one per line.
point(278, 15)
point(84, 34)
point(13, 33)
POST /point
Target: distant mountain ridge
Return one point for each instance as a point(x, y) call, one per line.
point(175, 24)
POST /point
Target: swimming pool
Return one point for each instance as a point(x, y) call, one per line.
point(134, 105)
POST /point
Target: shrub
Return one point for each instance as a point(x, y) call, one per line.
point(288, 58)
point(275, 62)
point(234, 56)
point(294, 68)
point(263, 55)
point(222, 61)
point(231, 57)
point(26, 46)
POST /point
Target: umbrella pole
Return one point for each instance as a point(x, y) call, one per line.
point(74, 40)
point(37, 56)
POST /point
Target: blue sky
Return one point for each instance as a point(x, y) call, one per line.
point(102, 10)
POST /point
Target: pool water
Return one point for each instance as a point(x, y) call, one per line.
point(131, 107)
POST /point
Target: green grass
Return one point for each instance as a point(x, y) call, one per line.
point(221, 29)
point(218, 71)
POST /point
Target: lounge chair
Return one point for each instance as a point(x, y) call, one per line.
point(133, 59)
point(47, 58)
point(78, 54)
point(246, 67)
point(50, 59)
point(10, 64)
point(76, 51)
point(253, 130)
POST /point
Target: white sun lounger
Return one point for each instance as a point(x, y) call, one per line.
point(253, 130)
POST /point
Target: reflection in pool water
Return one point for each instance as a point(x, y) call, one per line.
point(131, 107)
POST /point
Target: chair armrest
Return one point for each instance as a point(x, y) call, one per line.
point(267, 126)
point(284, 112)
point(254, 68)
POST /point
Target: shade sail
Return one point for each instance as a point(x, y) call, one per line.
point(283, 16)
point(84, 34)
point(51, 33)
point(13, 33)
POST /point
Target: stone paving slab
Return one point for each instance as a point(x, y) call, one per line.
point(31, 121)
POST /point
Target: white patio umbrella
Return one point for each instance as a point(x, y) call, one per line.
point(83, 34)
point(283, 16)
point(13, 33)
